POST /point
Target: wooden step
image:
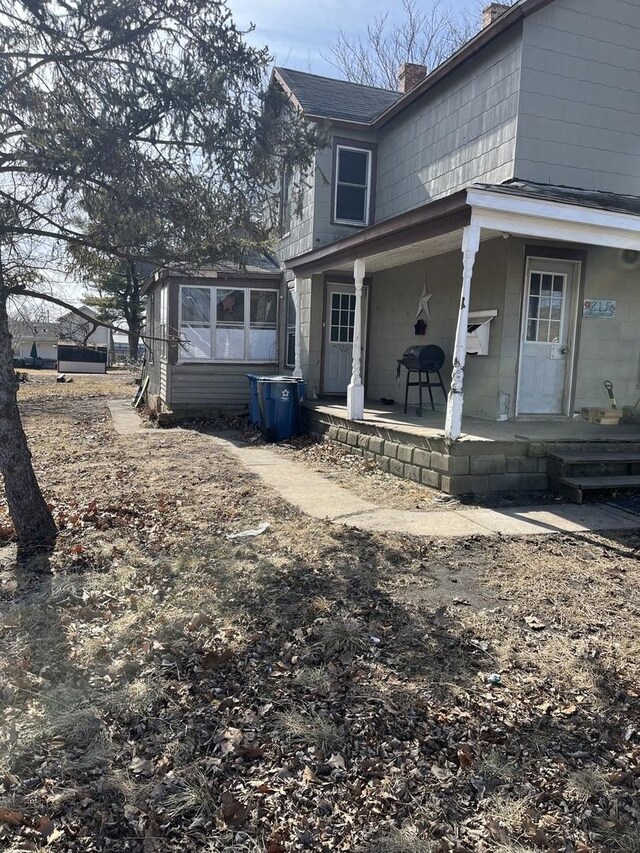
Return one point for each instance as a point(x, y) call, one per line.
point(575, 486)
point(595, 458)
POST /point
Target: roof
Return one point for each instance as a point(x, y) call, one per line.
point(86, 309)
point(256, 264)
point(36, 330)
point(325, 97)
point(567, 195)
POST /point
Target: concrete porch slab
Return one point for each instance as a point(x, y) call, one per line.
point(431, 425)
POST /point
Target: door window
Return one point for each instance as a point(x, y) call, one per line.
point(545, 307)
point(343, 312)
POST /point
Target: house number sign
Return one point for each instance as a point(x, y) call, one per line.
point(599, 309)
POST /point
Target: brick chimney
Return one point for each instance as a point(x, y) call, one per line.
point(409, 75)
point(492, 12)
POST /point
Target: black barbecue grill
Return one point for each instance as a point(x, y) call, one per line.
point(425, 361)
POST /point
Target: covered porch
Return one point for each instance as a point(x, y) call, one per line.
point(556, 274)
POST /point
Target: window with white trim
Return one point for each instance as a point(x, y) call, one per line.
point(151, 326)
point(545, 310)
point(352, 192)
point(228, 324)
point(164, 320)
point(290, 355)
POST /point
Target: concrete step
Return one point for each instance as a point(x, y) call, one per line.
point(618, 458)
point(574, 487)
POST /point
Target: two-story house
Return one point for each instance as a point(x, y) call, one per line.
point(505, 184)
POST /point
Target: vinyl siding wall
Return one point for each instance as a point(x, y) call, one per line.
point(609, 348)
point(579, 121)
point(462, 131)
point(394, 299)
point(207, 387)
point(299, 238)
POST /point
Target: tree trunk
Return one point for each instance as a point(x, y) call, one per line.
point(133, 313)
point(35, 528)
point(134, 342)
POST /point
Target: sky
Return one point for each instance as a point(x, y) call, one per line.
point(298, 32)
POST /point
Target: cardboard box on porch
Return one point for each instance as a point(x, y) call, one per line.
point(602, 416)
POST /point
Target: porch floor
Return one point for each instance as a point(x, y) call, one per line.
point(431, 425)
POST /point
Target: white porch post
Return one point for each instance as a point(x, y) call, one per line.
point(355, 390)
point(455, 403)
point(297, 370)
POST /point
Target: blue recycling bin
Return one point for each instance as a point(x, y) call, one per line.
point(254, 408)
point(279, 406)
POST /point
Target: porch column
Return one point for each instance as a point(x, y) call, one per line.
point(297, 370)
point(355, 390)
point(455, 403)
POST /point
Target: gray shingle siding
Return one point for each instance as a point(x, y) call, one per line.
point(461, 131)
point(299, 237)
point(579, 119)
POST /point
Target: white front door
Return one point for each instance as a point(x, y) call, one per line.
point(546, 352)
point(339, 325)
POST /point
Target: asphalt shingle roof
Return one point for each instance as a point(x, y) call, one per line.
point(337, 99)
point(569, 195)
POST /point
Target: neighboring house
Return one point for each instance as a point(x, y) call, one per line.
point(205, 332)
point(507, 183)
point(25, 334)
point(75, 328)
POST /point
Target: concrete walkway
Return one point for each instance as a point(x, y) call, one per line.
point(318, 497)
point(126, 421)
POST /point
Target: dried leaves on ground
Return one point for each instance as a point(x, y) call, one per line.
point(314, 688)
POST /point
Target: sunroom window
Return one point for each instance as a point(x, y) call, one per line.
point(195, 321)
point(290, 357)
point(229, 324)
point(353, 185)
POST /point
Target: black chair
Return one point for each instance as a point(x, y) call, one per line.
point(425, 361)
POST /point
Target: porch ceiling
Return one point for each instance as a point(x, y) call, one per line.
point(410, 253)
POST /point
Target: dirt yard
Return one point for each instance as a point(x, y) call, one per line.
point(315, 688)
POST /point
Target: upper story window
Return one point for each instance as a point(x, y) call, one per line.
point(352, 193)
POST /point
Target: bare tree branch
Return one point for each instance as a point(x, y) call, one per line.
point(426, 34)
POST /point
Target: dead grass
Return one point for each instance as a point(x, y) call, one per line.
point(342, 636)
point(625, 842)
point(195, 796)
point(494, 764)
point(509, 811)
point(316, 678)
point(406, 840)
point(118, 384)
point(107, 690)
point(310, 728)
point(587, 783)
